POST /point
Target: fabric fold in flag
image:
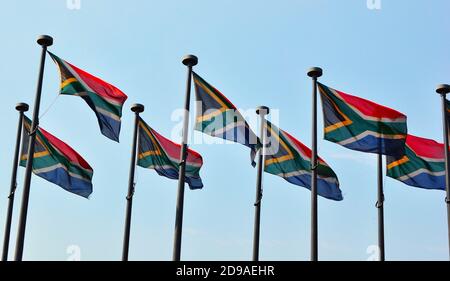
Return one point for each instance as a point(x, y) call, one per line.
point(288, 158)
point(57, 162)
point(103, 98)
point(423, 164)
point(218, 117)
point(161, 154)
point(362, 125)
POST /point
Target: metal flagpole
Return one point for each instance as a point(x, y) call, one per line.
point(189, 61)
point(44, 41)
point(136, 108)
point(21, 107)
point(443, 90)
point(314, 73)
point(379, 205)
point(261, 111)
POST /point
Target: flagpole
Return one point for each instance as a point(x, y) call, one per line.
point(443, 90)
point(314, 73)
point(189, 61)
point(136, 108)
point(21, 107)
point(261, 111)
point(44, 41)
point(380, 208)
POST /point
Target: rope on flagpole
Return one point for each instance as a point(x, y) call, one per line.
point(136, 179)
point(11, 194)
point(380, 204)
point(49, 107)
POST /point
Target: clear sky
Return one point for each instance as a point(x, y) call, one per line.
point(256, 53)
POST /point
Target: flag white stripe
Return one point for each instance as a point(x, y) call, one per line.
point(59, 165)
point(421, 171)
point(368, 133)
point(167, 167)
point(300, 173)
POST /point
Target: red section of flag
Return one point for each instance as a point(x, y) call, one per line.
point(426, 147)
point(100, 87)
point(173, 149)
point(370, 108)
point(66, 150)
point(300, 146)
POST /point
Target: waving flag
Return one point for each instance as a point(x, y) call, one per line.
point(57, 162)
point(362, 125)
point(161, 154)
point(104, 99)
point(423, 164)
point(288, 158)
point(218, 117)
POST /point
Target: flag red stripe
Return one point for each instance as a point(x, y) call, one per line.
point(306, 150)
point(370, 108)
point(99, 86)
point(173, 149)
point(65, 149)
point(426, 147)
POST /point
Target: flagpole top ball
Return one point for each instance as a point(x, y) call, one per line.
point(315, 72)
point(45, 40)
point(190, 60)
point(22, 107)
point(443, 89)
point(262, 110)
point(137, 108)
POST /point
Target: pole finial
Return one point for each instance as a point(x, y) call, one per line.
point(443, 89)
point(315, 72)
point(262, 110)
point(45, 40)
point(189, 60)
point(137, 108)
point(22, 107)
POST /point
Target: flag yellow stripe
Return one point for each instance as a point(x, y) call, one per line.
point(223, 108)
point(338, 125)
point(284, 145)
point(403, 160)
point(150, 135)
point(67, 82)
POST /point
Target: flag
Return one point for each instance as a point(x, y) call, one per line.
point(423, 164)
point(103, 98)
point(218, 117)
point(57, 162)
point(288, 158)
point(161, 154)
point(362, 125)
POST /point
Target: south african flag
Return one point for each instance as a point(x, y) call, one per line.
point(57, 162)
point(423, 164)
point(362, 125)
point(161, 154)
point(218, 117)
point(288, 158)
point(103, 98)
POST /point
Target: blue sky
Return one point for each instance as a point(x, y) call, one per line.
point(256, 53)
